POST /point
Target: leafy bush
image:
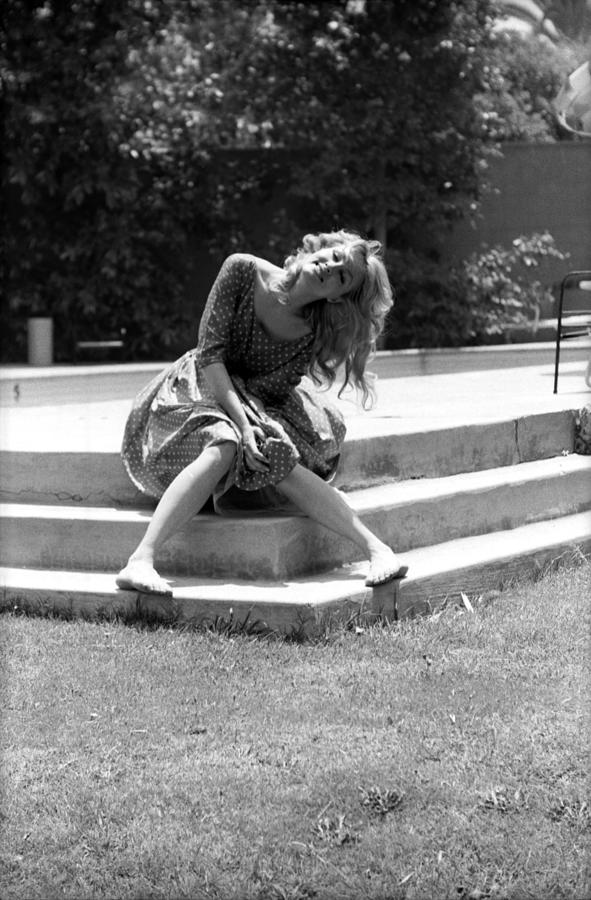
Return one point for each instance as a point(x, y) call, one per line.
point(474, 302)
point(498, 287)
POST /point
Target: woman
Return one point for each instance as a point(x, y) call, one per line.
point(239, 416)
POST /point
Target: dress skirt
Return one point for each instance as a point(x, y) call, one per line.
point(172, 421)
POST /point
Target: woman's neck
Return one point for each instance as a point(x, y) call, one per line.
point(282, 320)
point(297, 299)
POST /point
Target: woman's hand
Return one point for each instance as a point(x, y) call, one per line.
point(275, 429)
point(252, 438)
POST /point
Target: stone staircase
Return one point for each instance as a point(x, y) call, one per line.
point(469, 507)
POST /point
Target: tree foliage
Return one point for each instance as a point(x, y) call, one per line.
point(108, 156)
point(523, 78)
point(133, 125)
point(92, 215)
point(381, 96)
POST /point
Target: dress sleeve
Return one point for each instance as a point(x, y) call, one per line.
point(220, 309)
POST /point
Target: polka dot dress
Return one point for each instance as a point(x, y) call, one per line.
point(176, 416)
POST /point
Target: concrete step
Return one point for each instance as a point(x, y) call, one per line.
point(407, 515)
point(375, 453)
point(471, 565)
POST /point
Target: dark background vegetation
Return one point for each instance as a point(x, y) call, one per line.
point(139, 132)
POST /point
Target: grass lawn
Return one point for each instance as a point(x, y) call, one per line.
point(445, 757)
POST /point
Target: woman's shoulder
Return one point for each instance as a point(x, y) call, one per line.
point(238, 262)
point(249, 262)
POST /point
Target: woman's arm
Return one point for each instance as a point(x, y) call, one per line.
point(225, 394)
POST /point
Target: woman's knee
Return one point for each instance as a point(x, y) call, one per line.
point(221, 455)
point(225, 452)
point(291, 480)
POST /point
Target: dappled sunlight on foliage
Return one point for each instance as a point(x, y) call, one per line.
point(523, 79)
point(135, 130)
point(94, 237)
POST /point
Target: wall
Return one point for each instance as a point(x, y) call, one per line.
point(537, 187)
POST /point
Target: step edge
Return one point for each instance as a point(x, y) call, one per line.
point(521, 473)
point(393, 495)
point(564, 529)
point(351, 441)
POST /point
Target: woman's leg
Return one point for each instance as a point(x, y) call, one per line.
point(182, 499)
point(324, 504)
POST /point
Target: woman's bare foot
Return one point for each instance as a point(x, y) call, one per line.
point(140, 575)
point(384, 566)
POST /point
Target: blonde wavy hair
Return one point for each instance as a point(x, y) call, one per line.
point(346, 330)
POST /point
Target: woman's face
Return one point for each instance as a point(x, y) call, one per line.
point(333, 271)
